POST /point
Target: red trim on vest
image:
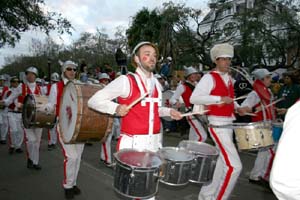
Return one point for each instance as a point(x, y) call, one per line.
point(60, 87)
point(186, 95)
point(12, 105)
point(265, 98)
point(220, 89)
point(5, 89)
point(26, 90)
point(137, 120)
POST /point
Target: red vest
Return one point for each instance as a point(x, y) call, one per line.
point(26, 90)
point(5, 88)
point(265, 98)
point(221, 89)
point(48, 89)
point(187, 94)
point(60, 87)
point(137, 119)
point(12, 105)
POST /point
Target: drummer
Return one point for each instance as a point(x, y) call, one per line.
point(216, 87)
point(71, 152)
point(140, 125)
point(260, 96)
point(32, 135)
point(184, 90)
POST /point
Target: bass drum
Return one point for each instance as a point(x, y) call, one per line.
point(77, 122)
point(33, 114)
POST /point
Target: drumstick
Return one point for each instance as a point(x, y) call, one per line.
point(194, 113)
point(221, 102)
point(250, 114)
point(136, 101)
point(274, 102)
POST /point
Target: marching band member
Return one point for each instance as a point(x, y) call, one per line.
point(15, 129)
point(71, 152)
point(140, 125)
point(184, 90)
point(217, 87)
point(261, 95)
point(3, 112)
point(32, 135)
point(52, 132)
point(285, 176)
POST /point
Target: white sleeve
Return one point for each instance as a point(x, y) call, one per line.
point(251, 100)
point(52, 98)
point(13, 95)
point(201, 94)
point(102, 100)
point(285, 176)
point(164, 111)
point(177, 94)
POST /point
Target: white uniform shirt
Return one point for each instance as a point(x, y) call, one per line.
point(102, 100)
point(285, 174)
point(201, 95)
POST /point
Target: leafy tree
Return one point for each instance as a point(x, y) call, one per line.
point(20, 16)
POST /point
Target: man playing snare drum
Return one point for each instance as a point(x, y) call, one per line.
point(260, 99)
point(72, 152)
point(140, 125)
point(216, 89)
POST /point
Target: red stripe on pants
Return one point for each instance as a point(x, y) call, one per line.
point(105, 151)
point(227, 161)
point(195, 128)
point(267, 174)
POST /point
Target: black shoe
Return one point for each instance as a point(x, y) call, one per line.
point(2, 142)
point(50, 147)
point(29, 164)
point(253, 181)
point(89, 144)
point(76, 190)
point(11, 150)
point(69, 193)
point(19, 150)
point(37, 167)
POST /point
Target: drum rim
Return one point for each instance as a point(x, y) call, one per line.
point(135, 197)
point(176, 149)
point(136, 168)
point(216, 153)
point(31, 96)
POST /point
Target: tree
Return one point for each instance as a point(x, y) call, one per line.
point(20, 16)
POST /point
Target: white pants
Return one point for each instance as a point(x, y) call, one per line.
point(106, 149)
point(197, 132)
point(15, 130)
point(263, 164)
point(52, 135)
point(33, 140)
point(227, 170)
point(72, 158)
point(140, 142)
point(3, 124)
point(116, 127)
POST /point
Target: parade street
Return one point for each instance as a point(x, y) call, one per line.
point(95, 179)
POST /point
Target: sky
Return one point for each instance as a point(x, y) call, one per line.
point(88, 15)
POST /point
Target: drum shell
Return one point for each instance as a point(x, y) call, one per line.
point(39, 118)
point(254, 136)
point(176, 172)
point(135, 183)
point(204, 164)
point(90, 125)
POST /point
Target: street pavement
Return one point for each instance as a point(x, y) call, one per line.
point(95, 179)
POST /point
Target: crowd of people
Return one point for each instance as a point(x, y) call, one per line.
point(141, 127)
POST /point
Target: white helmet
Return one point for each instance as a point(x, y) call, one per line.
point(103, 76)
point(32, 70)
point(54, 76)
point(189, 70)
point(38, 80)
point(68, 63)
point(169, 58)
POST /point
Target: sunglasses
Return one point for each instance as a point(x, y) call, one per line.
point(70, 69)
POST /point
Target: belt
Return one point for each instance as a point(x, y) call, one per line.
point(15, 111)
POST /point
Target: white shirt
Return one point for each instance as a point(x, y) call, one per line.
point(120, 87)
point(285, 174)
point(201, 95)
point(251, 100)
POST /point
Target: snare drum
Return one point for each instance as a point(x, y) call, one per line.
point(204, 164)
point(277, 128)
point(33, 114)
point(77, 122)
point(177, 166)
point(136, 173)
point(253, 136)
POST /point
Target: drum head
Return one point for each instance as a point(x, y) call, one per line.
point(68, 112)
point(28, 111)
point(176, 154)
point(140, 159)
point(198, 148)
